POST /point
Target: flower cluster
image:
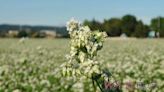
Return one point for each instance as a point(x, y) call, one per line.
point(82, 62)
point(84, 46)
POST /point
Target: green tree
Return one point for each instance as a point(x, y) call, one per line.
point(128, 24)
point(112, 27)
point(22, 33)
point(157, 24)
point(94, 24)
point(141, 30)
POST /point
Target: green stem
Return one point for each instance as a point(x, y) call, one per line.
point(99, 86)
point(94, 85)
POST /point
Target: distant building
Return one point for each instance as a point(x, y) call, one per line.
point(12, 33)
point(151, 34)
point(48, 33)
point(123, 35)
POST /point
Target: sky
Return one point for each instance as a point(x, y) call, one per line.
point(58, 12)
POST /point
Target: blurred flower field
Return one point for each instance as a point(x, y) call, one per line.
point(31, 65)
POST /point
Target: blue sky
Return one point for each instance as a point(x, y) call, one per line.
point(58, 12)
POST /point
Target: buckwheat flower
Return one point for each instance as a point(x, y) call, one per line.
point(104, 34)
point(72, 25)
point(98, 34)
point(85, 28)
point(84, 47)
point(82, 56)
point(16, 90)
point(141, 86)
point(45, 82)
point(153, 85)
point(22, 40)
point(88, 47)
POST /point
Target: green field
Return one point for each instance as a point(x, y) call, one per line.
point(30, 65)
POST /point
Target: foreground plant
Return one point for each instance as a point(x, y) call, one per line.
point(82, 59)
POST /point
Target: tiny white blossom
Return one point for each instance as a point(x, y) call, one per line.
point(72, 25)
point(16, 90)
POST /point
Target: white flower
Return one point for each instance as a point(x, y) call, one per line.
point(16, 90)
point(85, 28)
point(72, 25)
point(84, 47)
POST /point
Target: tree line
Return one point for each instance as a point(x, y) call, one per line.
point(128, 25)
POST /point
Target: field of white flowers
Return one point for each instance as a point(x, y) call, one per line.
point(31, 65)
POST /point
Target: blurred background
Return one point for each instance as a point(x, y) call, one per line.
point(47, 19)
